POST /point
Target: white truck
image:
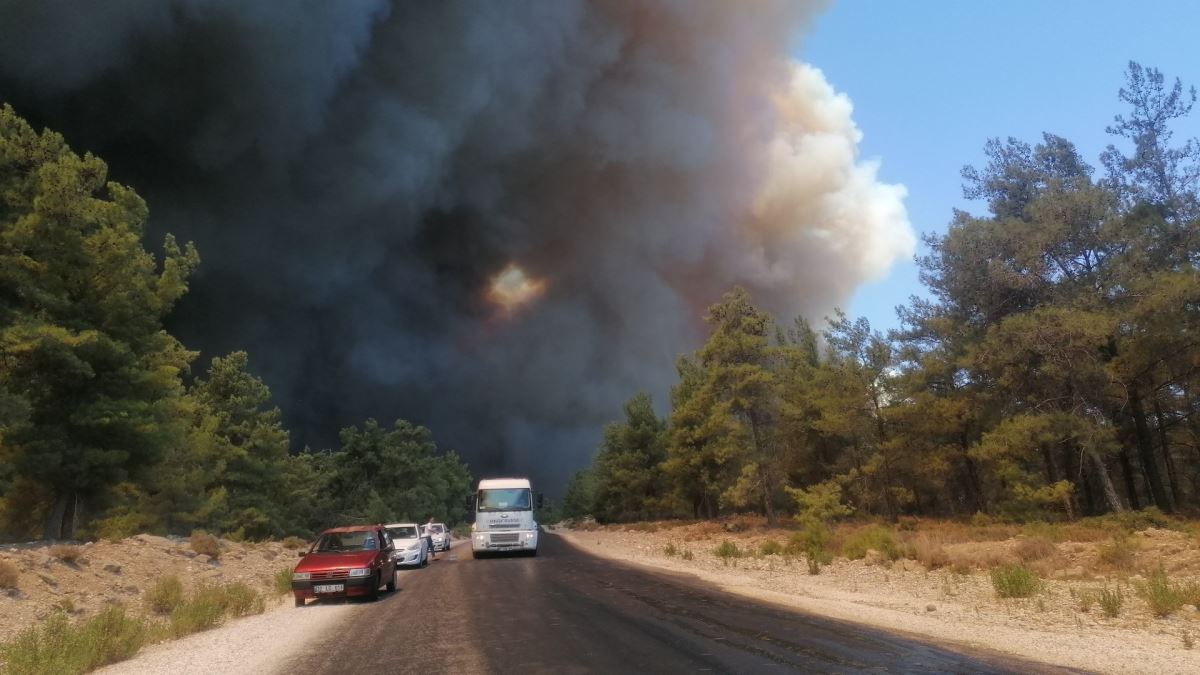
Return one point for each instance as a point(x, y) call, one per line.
point(504, 517)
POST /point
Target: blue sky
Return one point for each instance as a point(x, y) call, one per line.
point(932, 80)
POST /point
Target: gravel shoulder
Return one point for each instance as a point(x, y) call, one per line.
point(955, 610)
point(255, 645)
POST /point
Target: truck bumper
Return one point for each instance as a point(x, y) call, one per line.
point(526, 540)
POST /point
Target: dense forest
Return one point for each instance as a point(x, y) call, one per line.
point(109, 427)
point(1052, 371)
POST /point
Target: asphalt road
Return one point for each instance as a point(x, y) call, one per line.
point(569, 612)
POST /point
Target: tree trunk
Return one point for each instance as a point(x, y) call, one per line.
point(1110, 492)
point(1164, 443)
point(61, 522)
point(1130, 485)
point(974, 487)
point(1145, 446)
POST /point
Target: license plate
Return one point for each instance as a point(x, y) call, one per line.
point(329, 588)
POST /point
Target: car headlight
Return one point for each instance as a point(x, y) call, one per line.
point(360, 572)
point(301, 576)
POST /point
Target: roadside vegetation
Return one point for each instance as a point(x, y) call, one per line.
point(61, 646)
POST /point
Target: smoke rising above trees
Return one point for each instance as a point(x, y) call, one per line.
point(357, 174)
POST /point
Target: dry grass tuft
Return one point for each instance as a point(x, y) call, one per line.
point(205, 544)
point(9, 575)
point(1035, 548)
point(928, 551)
point(65, 553)
point(165, 595)
point(294, 543)
point(1119, 553)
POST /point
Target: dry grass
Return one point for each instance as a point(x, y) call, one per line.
point(1119, 553)
point(1035, 548)
point(65, 553)
point(59, 647)
point(205, 544)
point(165, 595)
point(9, 575)
point(928, 550)
point(294, 543)
point(1015, 581)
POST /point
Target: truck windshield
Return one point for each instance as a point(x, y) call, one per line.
point(504, 499)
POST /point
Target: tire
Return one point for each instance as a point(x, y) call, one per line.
point(391, 584)
point(299, 601)
point(533, 553)
point(373, 594)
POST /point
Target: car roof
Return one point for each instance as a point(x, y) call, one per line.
point(401, 525)
point(352, 528)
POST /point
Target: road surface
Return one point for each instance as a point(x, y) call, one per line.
point(569, 612)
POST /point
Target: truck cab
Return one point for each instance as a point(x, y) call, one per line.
point(504, 517)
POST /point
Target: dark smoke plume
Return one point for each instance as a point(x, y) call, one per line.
point(357, 173)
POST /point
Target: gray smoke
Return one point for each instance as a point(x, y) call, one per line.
point(357, 173)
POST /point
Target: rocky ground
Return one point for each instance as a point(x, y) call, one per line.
point(950, 597)
point(104, 573)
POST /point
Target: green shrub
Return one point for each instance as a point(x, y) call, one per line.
point(205, 544)
point(727, 550)
point(770, 547)
point(1163, 597)
point(208, 606)
point(1085, 600)
point(1015, 581)
point(9, 575)
point(812, 543)
point(283, 581)
point(165, 595)
point(670, 551)
point(875, 537)
point(687, 554)
point(1111, 600)
point(59, 648)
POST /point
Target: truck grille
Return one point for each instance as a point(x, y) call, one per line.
point(506, 537)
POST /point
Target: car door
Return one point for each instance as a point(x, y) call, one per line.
point(385, 556)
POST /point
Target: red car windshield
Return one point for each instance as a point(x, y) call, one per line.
point(335, 542)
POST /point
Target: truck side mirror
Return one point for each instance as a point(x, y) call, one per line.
point(541, 499)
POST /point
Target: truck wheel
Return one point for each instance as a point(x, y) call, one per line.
point(533, 553)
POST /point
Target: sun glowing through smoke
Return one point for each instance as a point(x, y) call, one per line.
point(512, 288)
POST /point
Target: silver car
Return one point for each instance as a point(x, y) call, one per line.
point(439, 536)
point(412, 548)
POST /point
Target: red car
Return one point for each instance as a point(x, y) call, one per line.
point(346, 562)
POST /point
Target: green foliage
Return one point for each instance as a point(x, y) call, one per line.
point(687, 554)
point(58, 647)
point(1119, 553)
point(282, 581)
point(165, 595)
point(727, 550)
point(873, 538)
point(204, 543)
point(208, 607)
point(580, 495)
point(770, 547)
point(627, 482)
point(1165, 597)
point(1111, 600)
point(670, 551)
point(1015, 581)
point(90, 383)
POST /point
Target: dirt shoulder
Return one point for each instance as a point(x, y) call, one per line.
point(955, 608)
point(104, 573)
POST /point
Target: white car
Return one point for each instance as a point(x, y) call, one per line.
point(439, 536)
point(412, 548)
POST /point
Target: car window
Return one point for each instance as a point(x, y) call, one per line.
point(334, 542)
point(403, 532)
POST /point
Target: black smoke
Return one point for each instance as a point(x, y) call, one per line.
point(355, 172)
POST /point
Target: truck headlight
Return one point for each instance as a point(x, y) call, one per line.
point(360, 572)
point(529, 535)
point(301, 576)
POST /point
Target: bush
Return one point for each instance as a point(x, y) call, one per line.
point(9, 575)
point(687, 554)
point(205, 544)
point(770, 547)
point(670, 551)
point(929, 552)
point(1015, 581)
point(283, 581)
point(1119, 553)
point(1164, 597)
point(208, 607)
point(1035, 548)
point(165, 595)
point(294, 543)
point(65, 553)
point(812, 543)
point(1085, 600)
point(727, 550)
point(1111, 600)
point(59, 648)
point(876, 538)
